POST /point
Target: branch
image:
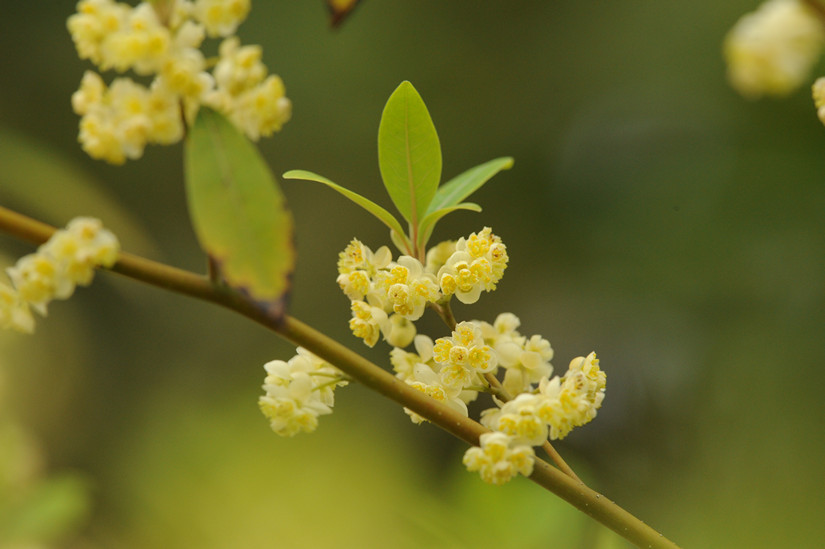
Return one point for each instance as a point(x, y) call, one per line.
point(184, 282)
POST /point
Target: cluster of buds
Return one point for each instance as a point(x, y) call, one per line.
point(66, 260)
point(162, 40)
point(530, 406)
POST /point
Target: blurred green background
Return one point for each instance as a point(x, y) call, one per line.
point(652, 215)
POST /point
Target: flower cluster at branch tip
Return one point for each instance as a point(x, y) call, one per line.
point(559, 405)
point(162, 40)
point(477, 264)
point(298, 391)
point(772, 50)
point(387, 296)
point(66, 260)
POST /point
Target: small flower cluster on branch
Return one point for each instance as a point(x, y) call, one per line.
point(298, 391)
point(162, 40)
point(66, 260)
point(387, 296)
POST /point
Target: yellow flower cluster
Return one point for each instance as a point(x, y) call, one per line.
point(387, 296)
point(297, 392)
point(163, 39)
point(771, 51)
point(525, 360)
point(559, 405)
point(477, 264)
point(67, 260)
point(422, 372)
point(463, 356)
point(818, 92)
point(499, 458)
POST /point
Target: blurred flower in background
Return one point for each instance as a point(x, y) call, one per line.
point(773, 50)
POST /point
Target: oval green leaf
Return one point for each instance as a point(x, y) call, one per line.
point(409, 154)
point(466, 183)
point(429, 221)
point(383, 215)
point(238, 211)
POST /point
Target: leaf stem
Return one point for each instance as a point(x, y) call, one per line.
point(184, 282)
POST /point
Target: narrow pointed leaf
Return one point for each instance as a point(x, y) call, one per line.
point(428, 223)
point(238, 211)
point(461, 186)
point(409, 154)
point(383, 215)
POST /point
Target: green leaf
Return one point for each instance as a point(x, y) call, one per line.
point(383, 215)
point(409, 154)
point(238, 211)
point(428, 223)
point(465, 184)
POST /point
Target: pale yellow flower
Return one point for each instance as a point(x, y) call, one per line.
point(14, 311)
point(297, 392)
point(498, 458)
point(221, 17)
point(772, 50)
point(118, 121)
